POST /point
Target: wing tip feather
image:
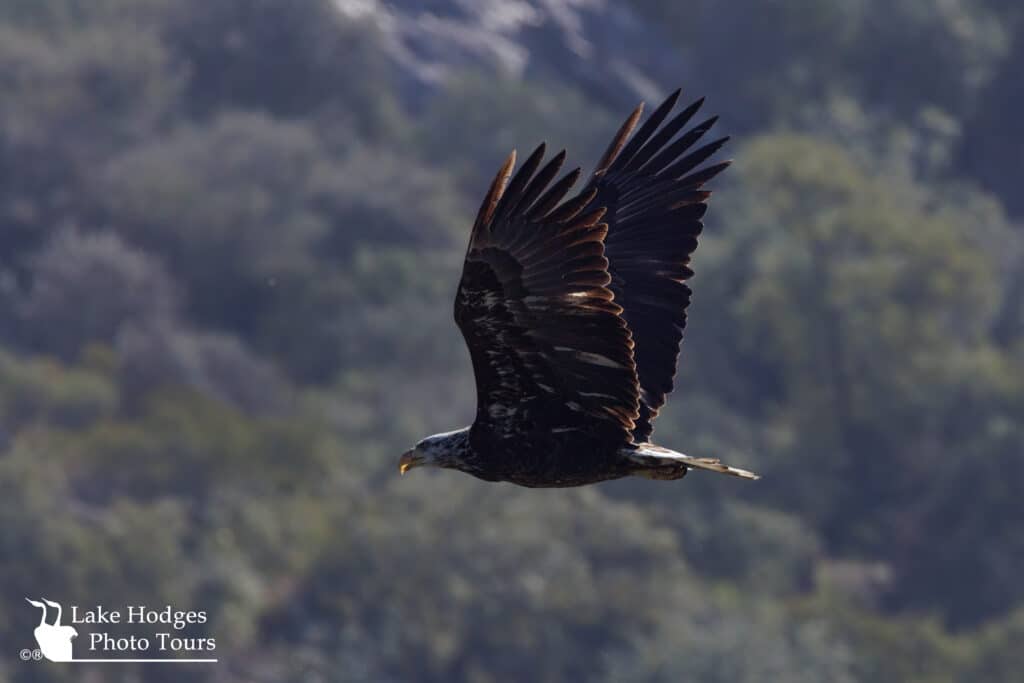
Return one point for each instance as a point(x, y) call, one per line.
point(495, 192)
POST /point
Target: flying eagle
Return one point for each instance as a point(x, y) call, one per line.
point(573, 311)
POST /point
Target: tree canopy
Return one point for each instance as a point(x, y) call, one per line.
point(230, 238)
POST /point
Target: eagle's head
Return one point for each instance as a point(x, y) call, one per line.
point(448, 449)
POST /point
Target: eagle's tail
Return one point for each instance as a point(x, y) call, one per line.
point(655, 455)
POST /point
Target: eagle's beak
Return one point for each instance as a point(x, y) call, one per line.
point(409, 460)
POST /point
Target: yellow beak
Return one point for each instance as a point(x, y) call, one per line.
point(409, 460)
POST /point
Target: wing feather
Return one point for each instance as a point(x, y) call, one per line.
point(555, 194)
point(574, 309)
point(649, 185)
point(546, 338)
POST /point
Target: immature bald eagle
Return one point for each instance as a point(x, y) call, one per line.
point(573, 311)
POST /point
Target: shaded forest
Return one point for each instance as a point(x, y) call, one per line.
point(230, 234)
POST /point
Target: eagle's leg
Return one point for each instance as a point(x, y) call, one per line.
point(666, 471)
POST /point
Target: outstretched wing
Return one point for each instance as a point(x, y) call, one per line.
point(547, 343)
point(650, 184)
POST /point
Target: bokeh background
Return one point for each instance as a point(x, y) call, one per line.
point(230, 234)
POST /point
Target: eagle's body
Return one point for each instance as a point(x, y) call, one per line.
point(573, 312)
point(537, 458)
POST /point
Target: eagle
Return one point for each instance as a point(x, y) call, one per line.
point(573, 310)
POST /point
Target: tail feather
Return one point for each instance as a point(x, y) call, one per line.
point(648, 450)
point(715, 465)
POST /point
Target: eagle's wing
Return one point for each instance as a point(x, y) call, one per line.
point(650, 185)
point(547, 343)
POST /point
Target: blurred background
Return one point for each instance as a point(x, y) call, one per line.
point(230, 235)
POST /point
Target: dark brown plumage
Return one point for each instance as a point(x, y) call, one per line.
point(573, 310)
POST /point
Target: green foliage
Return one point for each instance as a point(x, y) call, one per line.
point(771, 62)
point(994, 158)
point(231, 233)
point(288, 59)
point(88, 286)
point(859, 310)
point(474, 122)
point(723, 643)
point(42, 392)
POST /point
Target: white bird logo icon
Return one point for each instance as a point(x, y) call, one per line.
point(54, 640)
